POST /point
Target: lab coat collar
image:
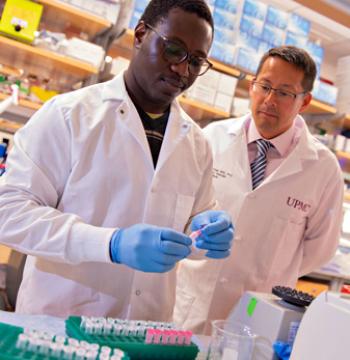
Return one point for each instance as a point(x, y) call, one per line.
point(179, 123)
point(115, 89)
point(305, 148)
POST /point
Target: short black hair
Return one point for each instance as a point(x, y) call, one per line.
point(297, 57)
point(158, 9)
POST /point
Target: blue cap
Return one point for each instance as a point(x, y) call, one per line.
point(3, 149)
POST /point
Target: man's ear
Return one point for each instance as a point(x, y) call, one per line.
point(250, 89)
point(306, 101)
point(140, 32)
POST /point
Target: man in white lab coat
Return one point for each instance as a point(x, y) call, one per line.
point(102, 182)
point(282, 187)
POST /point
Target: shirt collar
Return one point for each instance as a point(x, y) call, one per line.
point(281, 142)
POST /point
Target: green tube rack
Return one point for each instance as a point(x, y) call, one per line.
point(134, 346)
point(9, 351)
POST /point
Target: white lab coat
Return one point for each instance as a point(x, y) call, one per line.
point(81, 168)
point(285, 228)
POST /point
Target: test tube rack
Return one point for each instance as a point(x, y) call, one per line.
point(133, 343)
point(17, 343)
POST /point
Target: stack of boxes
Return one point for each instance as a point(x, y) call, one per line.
point(343, 84)
point(246, 29)
point(107, 9)
point(215, 89)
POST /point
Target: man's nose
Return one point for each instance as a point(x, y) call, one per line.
point(182, 68)
point(271, 97)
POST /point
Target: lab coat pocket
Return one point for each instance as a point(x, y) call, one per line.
point(184, 303)
point(183, 210)
point(285, 237)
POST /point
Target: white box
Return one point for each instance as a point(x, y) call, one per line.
point(241, 106)
point(202, 93)
point(84, 50)
point(223, 102)
point(227, 84)
point(210, 79)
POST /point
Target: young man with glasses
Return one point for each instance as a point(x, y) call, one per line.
point(102, 182)
point(282, 187)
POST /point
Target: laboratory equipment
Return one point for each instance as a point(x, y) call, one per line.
point(268, 316)
point(324, 330)
point(164, 341)
point(293, 296)
point(231, 341)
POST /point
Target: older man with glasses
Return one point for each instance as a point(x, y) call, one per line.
point(282, 187)
point(103, 182)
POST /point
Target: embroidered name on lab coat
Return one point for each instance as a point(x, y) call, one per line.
point(221, 173)
point(298, 204)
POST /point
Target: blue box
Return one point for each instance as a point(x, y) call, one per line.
point(316, 51)
point(299, 25)
point(224, 36)
point(140, 5)
point(248, 41)
point(264, 47)
point(223, 52)
point(296, 40)
point(277, 17)
point(325, 92)
point(224, 19)
point(211, 2)
point(273, 35)
point(135, 19)
point(247, 59)
point(251, 25)
point(255, 9)
point(228, 5)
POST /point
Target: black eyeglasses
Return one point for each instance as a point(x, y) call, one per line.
point(175, 54)
point(281, 94)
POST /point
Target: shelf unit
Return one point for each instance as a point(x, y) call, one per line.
point(73, 16)
point(123, 47)
point(23, 102)
point(201, 111)
point(35, 59)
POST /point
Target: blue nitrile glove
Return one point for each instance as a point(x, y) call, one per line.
point(149, 248)
point(216, 233)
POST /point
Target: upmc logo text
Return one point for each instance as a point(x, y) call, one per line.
point(298, 204)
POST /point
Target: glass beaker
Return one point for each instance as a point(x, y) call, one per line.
point(231, 341)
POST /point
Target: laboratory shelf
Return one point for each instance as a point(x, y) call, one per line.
point(38, 61)
point(194, 108)
point(73, 16)
point(200, 111)
point(123, 46)
point(22, 102)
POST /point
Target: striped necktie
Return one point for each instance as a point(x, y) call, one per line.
point(258, 166)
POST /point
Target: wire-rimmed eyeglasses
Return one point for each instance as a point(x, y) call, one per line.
point(281, 94)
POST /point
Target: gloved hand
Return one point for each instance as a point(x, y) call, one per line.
point(149, 248)
point(216, 233)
